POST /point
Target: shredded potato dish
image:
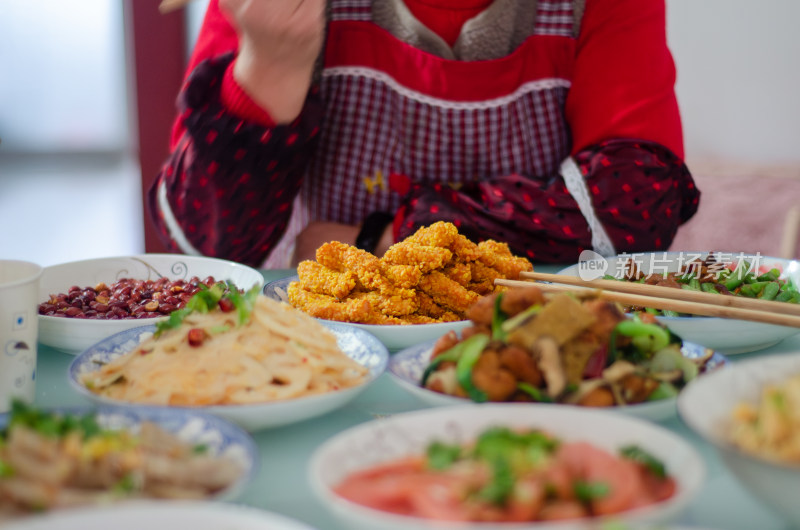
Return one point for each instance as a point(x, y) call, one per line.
point(218, 352)
point(50, 461)
point(771, 428)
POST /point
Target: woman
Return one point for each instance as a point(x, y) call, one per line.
point(549, 124)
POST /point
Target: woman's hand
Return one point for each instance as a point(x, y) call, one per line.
point(279, 42)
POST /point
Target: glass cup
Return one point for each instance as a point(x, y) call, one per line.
point(19, 300)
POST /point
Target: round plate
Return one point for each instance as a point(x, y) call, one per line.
point(395, 338)
point(193, 427)
point(402, 435)
point(73, 335)
point(135, 515)
point(357, 344)
point(406, 368)
point(720, 334)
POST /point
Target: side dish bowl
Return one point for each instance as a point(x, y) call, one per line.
point(727, 336)
point(408, 434)
point(73, 335)
point(707, 406)
point(355, 343)
point(395, 338)
point(407, 366)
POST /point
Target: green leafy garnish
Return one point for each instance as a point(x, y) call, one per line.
point(637, 454)
point(442, 456)
point(499, 489)
point(50, 424)
point(208, 299)
point(590, 491)
point(200, 449)
point(6, 470)
point(498, 318)
point(126, 485)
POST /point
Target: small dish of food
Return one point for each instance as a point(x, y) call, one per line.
point(244, 357)
point(728, 274)
point(428, 280)
point(60, 458)
point(526, 346)
point(85, 301)
point(135, 515)
point(505, 466)
point(750, 413)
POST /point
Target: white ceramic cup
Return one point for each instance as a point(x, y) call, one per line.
point(19, 300)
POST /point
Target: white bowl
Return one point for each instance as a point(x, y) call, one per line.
point(395, 338)
point(725, 335)
point(358, 345)
point(406, 368)
point(706, 405)
point(73, 335)
point(402, 435)
point(193, 427)
point(135, 515)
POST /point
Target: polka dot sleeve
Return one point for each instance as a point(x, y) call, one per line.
point(640, 192)
point(229, 183)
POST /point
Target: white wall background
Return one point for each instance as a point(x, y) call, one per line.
point(738, 85)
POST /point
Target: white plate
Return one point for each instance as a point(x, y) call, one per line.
point(408, 434)
point(707, 405)
point(720, 334)
point(358, 345)
point(155, 515)
point(406, 368)
point(193, 427)
point(73, 335)
point(395, 338)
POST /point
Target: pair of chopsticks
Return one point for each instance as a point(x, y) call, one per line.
point(669, 298)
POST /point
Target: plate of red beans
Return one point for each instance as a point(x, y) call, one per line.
point(83, 302)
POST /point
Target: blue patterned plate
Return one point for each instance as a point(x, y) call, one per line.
point(357, 344)
point(220, 437)
point(406, 368)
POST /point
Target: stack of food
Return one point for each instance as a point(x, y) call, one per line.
point(434, 275)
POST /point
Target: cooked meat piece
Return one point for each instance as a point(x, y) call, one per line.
point(522, 364)
point(519, 299)
point(488, 375)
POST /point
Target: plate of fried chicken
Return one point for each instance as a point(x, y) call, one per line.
point(419, 290)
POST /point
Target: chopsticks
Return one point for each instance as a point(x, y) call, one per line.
point(669, 298)
point(167, 6)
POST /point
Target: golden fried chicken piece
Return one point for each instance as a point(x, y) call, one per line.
point(367, 267)
point(331, 255)
point(483, 273)
point(319, 279)
point(398, 303)
point(402, 276)
point(439, 234)
point(461, 273)
point(425, 258)
point(498, 256)
point(328, 307)
point(464, 249)
point(447, 292)
point(429, 308)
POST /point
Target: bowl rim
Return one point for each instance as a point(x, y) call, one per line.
point(72, 370)
point(717, 439)
point(331, 500)
point(152, 413)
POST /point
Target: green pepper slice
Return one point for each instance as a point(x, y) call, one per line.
point(472, 352)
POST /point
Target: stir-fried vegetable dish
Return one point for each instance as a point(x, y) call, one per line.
point(711, 275)
point(508, 475)
point(524, 346)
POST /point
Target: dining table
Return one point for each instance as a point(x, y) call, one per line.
point(282, 484)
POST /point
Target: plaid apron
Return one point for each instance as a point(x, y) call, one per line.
point(393, 109)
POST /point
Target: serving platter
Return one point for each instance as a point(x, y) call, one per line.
point(727, 336)
point(407, 366)
point(395, 338)
point(355, 343)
